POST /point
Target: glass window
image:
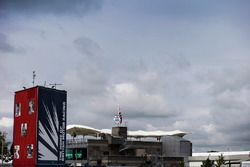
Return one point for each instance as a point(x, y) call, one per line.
point(18, 110)
point(23, 129)
point(30, 151)
point(16, 152)
point(78, 154)
point(69, 154)
point(31, 106)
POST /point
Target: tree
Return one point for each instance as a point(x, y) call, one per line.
point(220, 161)
point(181, 164)
point(3, 144)
point(207, 163)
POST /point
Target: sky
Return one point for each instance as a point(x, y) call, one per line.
point(169, 64)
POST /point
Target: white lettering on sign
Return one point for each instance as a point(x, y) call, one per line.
point(62, 134)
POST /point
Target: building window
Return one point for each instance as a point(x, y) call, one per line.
point(31, 106)
point(69, 154)
point(18, 110)
point(16, 152)
point(30, 151)
point(23, 129)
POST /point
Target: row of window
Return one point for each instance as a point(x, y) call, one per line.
point(76, 153)
point(30, 110)
point(29, 151)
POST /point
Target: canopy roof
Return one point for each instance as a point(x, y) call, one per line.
point(75, 130)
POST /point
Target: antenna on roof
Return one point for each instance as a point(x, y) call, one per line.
point(53, 86)
point(34, 76)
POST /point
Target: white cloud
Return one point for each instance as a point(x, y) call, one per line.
point(6, 105)
point(210, 129)
point(6, 122)
point(134, 101)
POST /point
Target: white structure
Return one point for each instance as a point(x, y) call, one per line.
point(234, 158)
point(86, 130)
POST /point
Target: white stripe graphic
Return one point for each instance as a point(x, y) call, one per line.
point(45, 135)
point(45, 153)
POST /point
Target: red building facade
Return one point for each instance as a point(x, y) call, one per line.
point(39, 133)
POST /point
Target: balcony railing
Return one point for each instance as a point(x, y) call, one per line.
point(76, 143)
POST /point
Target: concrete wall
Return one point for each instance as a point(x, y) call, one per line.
point(96, 149)
point(119, 132)
point(174, 146)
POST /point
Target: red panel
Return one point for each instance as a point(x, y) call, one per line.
point(23, 98)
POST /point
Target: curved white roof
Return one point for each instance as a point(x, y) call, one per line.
point(141, 133)
point(89, 131)
point(82, 130)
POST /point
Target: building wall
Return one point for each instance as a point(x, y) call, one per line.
point(115, 150)
point(102, 152)
point(39, 134)
point(25, 125)
point(174, 146)
point(96, 149)
point(51, 131)
point(151, 148)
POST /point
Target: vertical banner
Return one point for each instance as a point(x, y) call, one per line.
point(51, 132)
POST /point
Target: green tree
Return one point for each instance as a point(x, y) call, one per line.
point(3, 144)
point(207, 163)
point(220, 161)
point(181, 164)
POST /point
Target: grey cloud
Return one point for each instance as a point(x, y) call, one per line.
point(231, 107)
point(58, 7)
point(163, 63)
point(212, 124)
point(223, 120)
point(155, 90)
point(88, 78)
point(90, 84)
point(85, 80)
point(236, 80)
point(194, 9)
point(167, 63)
point(88, 47)
point(156, 72)
point(4, 44)
point(103, 99)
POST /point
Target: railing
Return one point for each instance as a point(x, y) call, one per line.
point(76, 141)
point(73, 143)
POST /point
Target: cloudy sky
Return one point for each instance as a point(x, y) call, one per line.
point(169, 64)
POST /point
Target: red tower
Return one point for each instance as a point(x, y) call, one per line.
point(39, 127)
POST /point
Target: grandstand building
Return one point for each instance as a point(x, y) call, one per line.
point(120, 147)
